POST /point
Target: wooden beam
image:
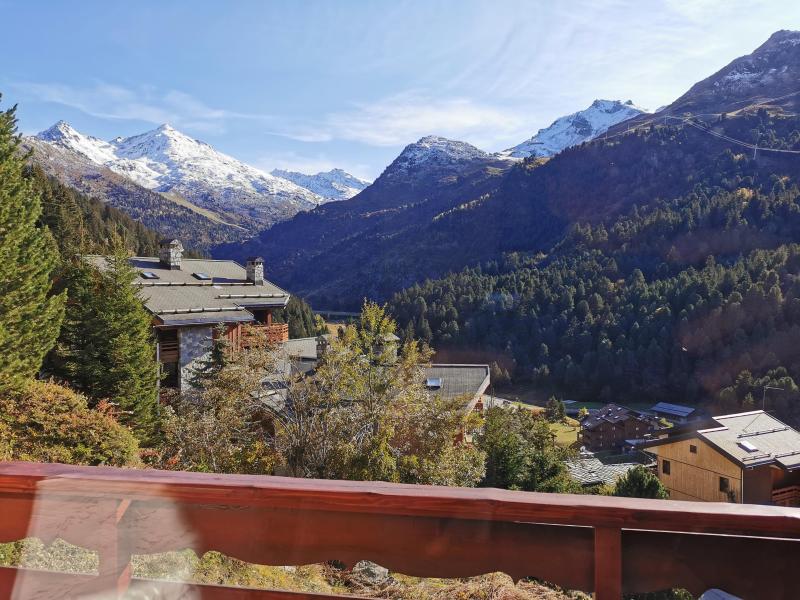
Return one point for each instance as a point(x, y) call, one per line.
point(607, 563)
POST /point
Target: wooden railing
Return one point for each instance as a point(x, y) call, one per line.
point(592, 543)
point(787, 496)
point(168, 351)
point(274, 332)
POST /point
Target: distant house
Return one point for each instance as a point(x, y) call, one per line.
point(456, 380)
point(675, 413)
point(611, 426)
point(747, 457)
point(188, 298)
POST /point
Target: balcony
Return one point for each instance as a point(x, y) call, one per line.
point(274, 333)
point(600, 544)
point(787, 496)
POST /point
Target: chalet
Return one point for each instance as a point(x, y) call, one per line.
point(612, 426)
point(675, 413)
point(188, 298)
point(750, 458)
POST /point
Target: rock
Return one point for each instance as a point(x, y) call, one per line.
point(370, 573)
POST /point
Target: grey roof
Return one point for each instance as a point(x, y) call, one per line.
point(591, 471)
point(177, 297)
point(611, 413)
point(677, 410)
point(755, 438)
point(302, 348)
point(460, 380)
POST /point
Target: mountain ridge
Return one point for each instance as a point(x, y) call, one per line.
point(165, 160)
point(573, 129)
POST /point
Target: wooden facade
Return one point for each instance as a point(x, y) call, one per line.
point(599, 544)
point(598, 433)
point(695, 470)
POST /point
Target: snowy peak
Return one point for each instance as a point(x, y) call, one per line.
point(434, 152)
point(335, 184)
point(575, 129)
point(62, 134)
point(168, 161)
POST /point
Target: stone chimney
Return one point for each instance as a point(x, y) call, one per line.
point(322, 346)
point(170, 254)
point(255, 270)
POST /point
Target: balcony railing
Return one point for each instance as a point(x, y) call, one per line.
point(601, 544)
point(274, 333)
point(787, 496)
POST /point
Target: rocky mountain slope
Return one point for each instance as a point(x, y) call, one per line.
point(767, 78)
point(335, 184)
point(575, 129)
point(428, 178)
point(167, 161)
point(170, 216)
point(423, 218)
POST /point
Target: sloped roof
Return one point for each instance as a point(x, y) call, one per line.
point(610, 413)
point(460, 380)
point(179, 297)
point(749, 439)
point(755, 438)
point(677, 410)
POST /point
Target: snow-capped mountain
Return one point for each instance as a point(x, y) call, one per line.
point(437, 156)
point(575, 129)
point(335, 184)
point(168, 161)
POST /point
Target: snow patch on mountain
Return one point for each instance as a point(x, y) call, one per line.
point(434, 153)
point(575, 129)
point(166, 160)
point(335, 184)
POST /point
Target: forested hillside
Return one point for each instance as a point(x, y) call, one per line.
point(79, 222)
point(694, 298)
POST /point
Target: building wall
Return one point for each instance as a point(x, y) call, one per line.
point(758, 485)
point(195, 347)
point(695, 476)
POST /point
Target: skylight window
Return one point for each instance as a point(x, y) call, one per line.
point(149, 275)
point(202, 276)
point(433, 383)
point(748, 446)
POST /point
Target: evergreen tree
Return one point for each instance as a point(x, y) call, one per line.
point(555, 410)
point(107, 347)
point(29, 317)
point(639, 482)
point(217, 360)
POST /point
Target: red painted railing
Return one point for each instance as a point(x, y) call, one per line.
point(591, 543)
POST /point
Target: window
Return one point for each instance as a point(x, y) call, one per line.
point(202, 276)
point(433, 383)
point(724, 484)
point(149, 275)
point(692, 448)
point(665, 467)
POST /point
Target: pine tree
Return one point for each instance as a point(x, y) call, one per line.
point(107, 347)
point(214, 363)
point(29, 317)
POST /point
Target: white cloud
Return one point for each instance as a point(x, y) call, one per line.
point(404, 118)
point(144, 103)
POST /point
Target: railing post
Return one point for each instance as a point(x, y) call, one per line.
point(114, 567)
point(607, 563)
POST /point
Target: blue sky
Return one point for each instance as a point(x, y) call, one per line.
point(310, 85)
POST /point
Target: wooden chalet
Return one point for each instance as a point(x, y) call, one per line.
point(189, 298)
point(610, 427)
point(749, 457)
